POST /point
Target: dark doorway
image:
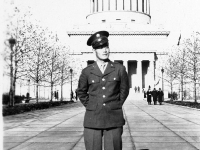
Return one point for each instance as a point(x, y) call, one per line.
point(145, 65)
point(132, 66)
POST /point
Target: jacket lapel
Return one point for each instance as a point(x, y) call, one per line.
point(110, 68)
point(95, 69)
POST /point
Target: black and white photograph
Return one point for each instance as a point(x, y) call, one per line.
point(100, 74)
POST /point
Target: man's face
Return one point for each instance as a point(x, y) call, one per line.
point(102, 53)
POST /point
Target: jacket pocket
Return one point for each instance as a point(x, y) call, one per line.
point(93, 88)
point(93, 80)
point(91, 106)
point(115, 105)
point(113, 79)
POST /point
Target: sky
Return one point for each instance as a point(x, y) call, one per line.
point(177, 16)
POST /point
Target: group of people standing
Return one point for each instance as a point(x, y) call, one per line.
point(157, 95)
point(137, 89)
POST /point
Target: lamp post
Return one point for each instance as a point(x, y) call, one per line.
point(12, 42)
point(162, 70)
point(71, 70)
point(29, 85)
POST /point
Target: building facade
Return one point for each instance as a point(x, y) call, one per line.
point(133, 41)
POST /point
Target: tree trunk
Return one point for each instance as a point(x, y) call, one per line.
point(171, 91)
point(195, 92)
point(37, 92)
point(61, 91)
point(11, 102)
point(51, 92)
point(182, 92)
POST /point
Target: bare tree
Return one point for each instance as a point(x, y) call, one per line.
point(170, 72)
point(64, 68)
point(17, 25)
point(35, 63)
point(181, 67)
point(52, 64)
point(192, 46)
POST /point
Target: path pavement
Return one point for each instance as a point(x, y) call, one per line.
point(153, 127)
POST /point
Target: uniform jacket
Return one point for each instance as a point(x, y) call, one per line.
point(103, 95)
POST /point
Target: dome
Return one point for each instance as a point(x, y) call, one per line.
point(119, 11)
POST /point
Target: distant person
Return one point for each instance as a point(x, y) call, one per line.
point(149, 93)
point(76, 94)
point(160, 96)
point(135, 89)
point(72, 95)
point(57, 96)
point(143, 91)
point(138, 89)
point(27, 95)
point(145, 94)
point(154, 95)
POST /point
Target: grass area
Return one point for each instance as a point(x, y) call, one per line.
point(21, 108)
point(185, 103)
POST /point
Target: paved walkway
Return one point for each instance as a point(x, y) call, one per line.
point(153, 127)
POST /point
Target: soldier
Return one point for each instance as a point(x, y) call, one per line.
point(103, 88)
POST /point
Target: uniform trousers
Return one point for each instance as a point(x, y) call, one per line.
point(112, 138)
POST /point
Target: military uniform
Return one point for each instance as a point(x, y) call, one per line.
point(103, 93)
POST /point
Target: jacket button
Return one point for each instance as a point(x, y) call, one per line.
point(104, 96)
point(103, 79)
point(104, 104)
point(103, 88)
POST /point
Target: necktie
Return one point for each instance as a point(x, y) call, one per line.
point(103, 67)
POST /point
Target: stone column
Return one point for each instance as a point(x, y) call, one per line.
point(137, 5)
point(133, 5)
point(139, 73)
point(91, 6)
point(140, 5)
point(151, 74)
point(95, 5)
point(149, 7)
point(108, 4)
point(102, 5)
point(145, 4)
point(125, 63)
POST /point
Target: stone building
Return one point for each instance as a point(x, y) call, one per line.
point(133, 41)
